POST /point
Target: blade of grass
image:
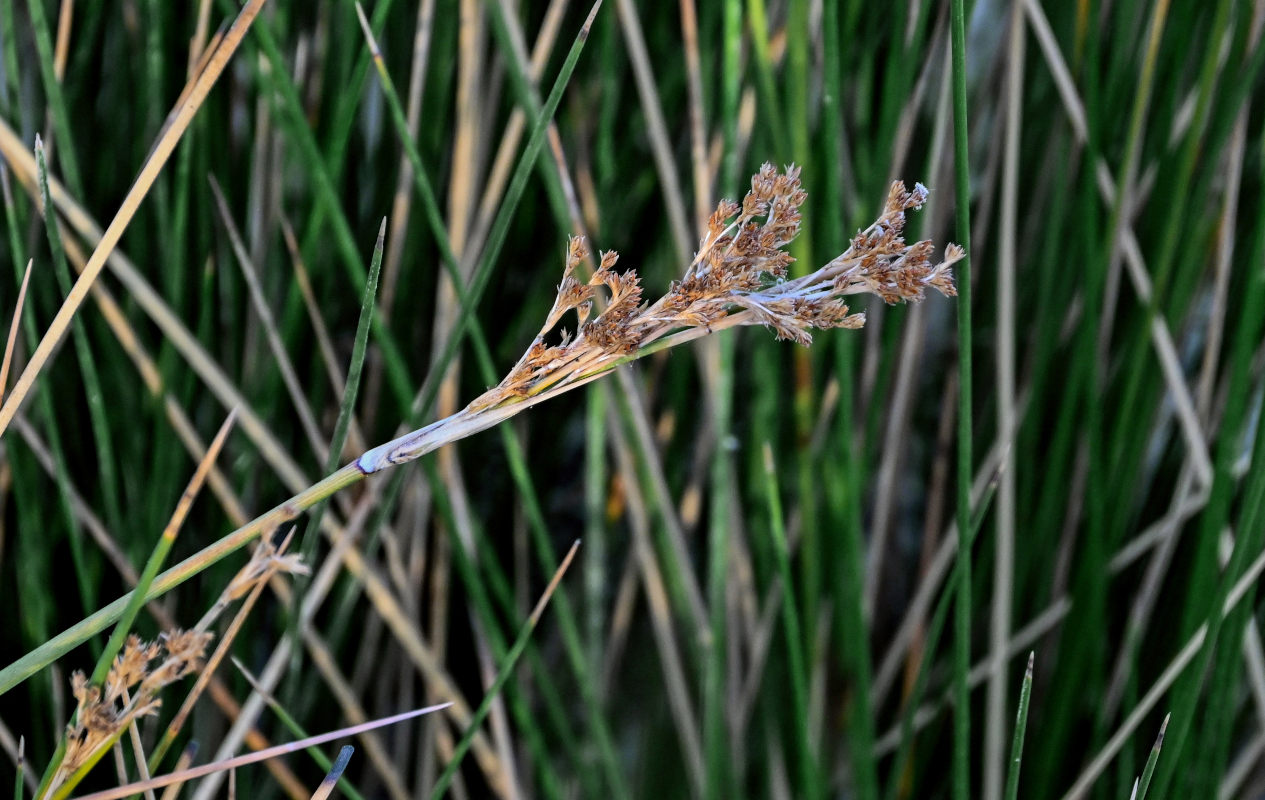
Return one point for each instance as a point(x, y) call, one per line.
point(1148, 772)
point(962, 615)
point(758, 26)
point(1007, 421)
point(511, 658)
point(283, 364)
point(97, 413)
point(1021, 726)
point(9, 52)
point(716, 736)
point(19, 768)
point(56, 100)
point(843, 507)
point(85, 580)
point(810, 783)
point(348, 403)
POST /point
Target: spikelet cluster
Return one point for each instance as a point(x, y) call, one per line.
point(738, 276)
point(130, 691)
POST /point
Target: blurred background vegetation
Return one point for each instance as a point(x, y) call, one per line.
point(762, 604)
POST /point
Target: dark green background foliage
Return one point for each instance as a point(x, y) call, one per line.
point(725, 630)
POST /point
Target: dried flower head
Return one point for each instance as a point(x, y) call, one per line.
point(741, 266)
point(738, 277)
point(130, 690)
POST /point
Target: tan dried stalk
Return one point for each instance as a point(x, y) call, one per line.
point(738, 277)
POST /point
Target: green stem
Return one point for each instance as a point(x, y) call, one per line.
point(962, 616)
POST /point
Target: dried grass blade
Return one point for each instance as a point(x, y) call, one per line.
point(12, 341)
point(259, 755)
point(62, 48)
point(148, 174)
point(138, 752)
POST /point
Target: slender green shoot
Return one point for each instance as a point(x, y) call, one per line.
point(962, 571)
point(806, 758)
point(1149, 770)
point(1021, 726)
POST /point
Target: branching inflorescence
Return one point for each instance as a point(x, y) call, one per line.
point(130, 691)
point(738, 277)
